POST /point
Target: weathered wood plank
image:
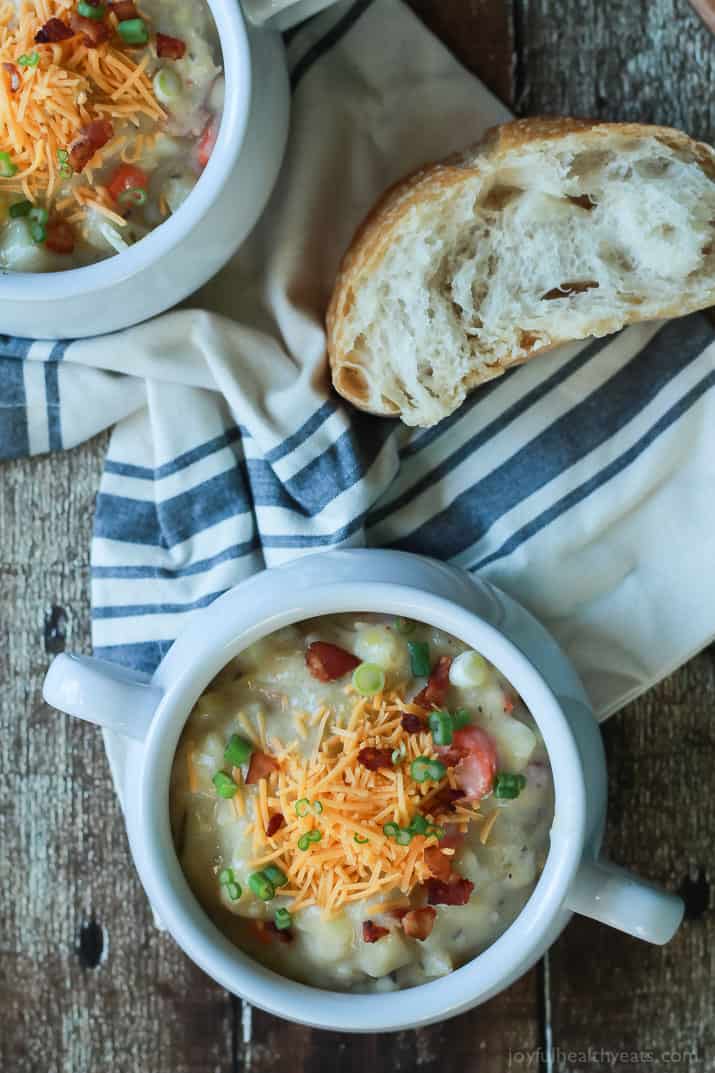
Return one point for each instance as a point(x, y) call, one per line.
point(88, 983)
point(649, 61)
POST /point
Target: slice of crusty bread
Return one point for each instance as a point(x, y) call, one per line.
point(550, 230)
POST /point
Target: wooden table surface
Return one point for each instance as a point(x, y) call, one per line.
point(88, 985)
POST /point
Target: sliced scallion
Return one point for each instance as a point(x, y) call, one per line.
point(225, 786)
point(440, 723)
point(275, 875)
point(237, 751)
point(135, 195)
point(508, 786)
point(91, 11)
point(302, 807)
point(419, 768)
point(234, 891)
point(418, 824)
point(369, 679)
point(282, 919)
point(403, 837)
point(261, 886)
point(390, 829)
point(359, 839)
point(133, 31)
point(7, 168)
point(29, 59)
point(419, 658)
point(20, 208)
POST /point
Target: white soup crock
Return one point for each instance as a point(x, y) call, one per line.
point(152, 713)
point(190, 246)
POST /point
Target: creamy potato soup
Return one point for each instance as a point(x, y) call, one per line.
point(109, 111)
point(361, 803)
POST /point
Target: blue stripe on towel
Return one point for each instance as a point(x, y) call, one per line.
point(14, 347)
point(599, 479)
point(54, 415)
point(202, 566)
point(586, 426)
point(14, 439)
point(173, 520)
point(488, 431)
point(196, 454)
point(131, 610)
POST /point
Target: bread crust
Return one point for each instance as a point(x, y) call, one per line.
point(374, 235)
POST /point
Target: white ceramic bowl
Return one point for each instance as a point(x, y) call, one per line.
point(194, 243)
point(153, 714)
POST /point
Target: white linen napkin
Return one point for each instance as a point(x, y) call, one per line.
point(580, 483)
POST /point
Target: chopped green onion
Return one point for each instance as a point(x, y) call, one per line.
point(403, 837)
point(20, 208)
point(303, 842)
point(419, 658)
point(234, 891)
point(259, 882)
point(404, 625)
point(461, 718)
point(315, 835)
point(237, 751)
point(7, 168)
point(90, 11)
point(397, 755)
point(167, 85)
point(282, 919)
point(436, 830)
point(418, 824)
point(390, 829)
point(369, 679)
point(63, 161)
point(436, 770)
point(419, 768)
point(302, 807)
point(39, 215)
point(38, 232)
point(133, 31)
point(135, 195)
point(440, 723)
point(226, 876)
point(508, 786)
point(317, 807)
point(360, 840)
point(275, 875)
point(225, 786)
point(29, 59)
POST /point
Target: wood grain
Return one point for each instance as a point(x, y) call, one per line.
point(89, 985)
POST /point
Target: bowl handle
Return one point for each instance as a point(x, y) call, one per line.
point(282, 14)
point(603, 891)
point(103, 693)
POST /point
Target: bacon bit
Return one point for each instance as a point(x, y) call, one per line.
point(371, 932)
point(93, 31)
point(453, 838)
point(14, 76)
point(373, 759)
point(172, 48)
point(207, 141)
point(275, 823)
point(123, 9)
point(412, 723)
point(260, 767)
point(54, 30)
point(327, 662)
point(508, 704)
point(455, 891)
point(435, 692)
point(439, 865)
point(398, 914)
point(60, 237)
point(283, 935)
point(91, 138)
point(418, 923)
point(476, 770)
point(443, 800)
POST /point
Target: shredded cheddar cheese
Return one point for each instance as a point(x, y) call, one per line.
point(70, 86)
point(346, 805)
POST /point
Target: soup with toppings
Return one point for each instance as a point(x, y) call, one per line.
point(361, 803)
point(109, 112)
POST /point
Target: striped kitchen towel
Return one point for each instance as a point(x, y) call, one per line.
point(582, 482)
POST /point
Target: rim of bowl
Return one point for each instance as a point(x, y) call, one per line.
point(236, 63)
point(483, 975)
